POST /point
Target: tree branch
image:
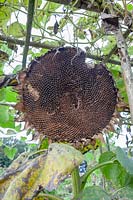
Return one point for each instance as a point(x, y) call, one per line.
point(47, 46)
point(99, 58)
point(111, 23)
point(90, 5)
point(126, 68)
point(22, 42)
point(30, 15)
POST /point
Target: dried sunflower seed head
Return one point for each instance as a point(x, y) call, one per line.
point(66, 99)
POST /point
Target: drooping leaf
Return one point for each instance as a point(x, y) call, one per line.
point(46, 171)
point(61, 160)
point(93, 193)
point(126, 162)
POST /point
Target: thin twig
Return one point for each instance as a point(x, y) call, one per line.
point(8, 104)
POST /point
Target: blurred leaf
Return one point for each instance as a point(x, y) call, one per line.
point(4, 15)
point(3, 55)
point(8, 95)
point(2, 94)
point(130, 50)
point(1, 68)
point(4, 116)
point(125, 193)
point(126, 162)
point(18, 128)
point(23, 139)
point(10, 152)
point(1, 143)
point(6, 49)
point(63, 22)
point(17, 69)
point(8, 124)
point(11, 96)
point(81, 34)
point(130, 7)
point(16, 26)
point(93, 193)
point(43, 15)
point(44, 144)
point(10, 132)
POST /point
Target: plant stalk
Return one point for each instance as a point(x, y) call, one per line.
point(89, 172)
point(75, 182)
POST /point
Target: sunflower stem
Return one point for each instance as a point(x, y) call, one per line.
point(75, 181)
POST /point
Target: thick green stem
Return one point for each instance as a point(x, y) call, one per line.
point(75, 182)
point(87, 174)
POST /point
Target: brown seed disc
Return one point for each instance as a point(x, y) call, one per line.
point(66, 99)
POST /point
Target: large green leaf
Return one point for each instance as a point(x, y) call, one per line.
point(126, 162)
point(114, 172)
point(93, 193)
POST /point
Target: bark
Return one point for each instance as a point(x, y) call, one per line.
point(126, 68)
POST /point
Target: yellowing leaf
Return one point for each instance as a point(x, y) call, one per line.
point(45, 171)
point(60, 161)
